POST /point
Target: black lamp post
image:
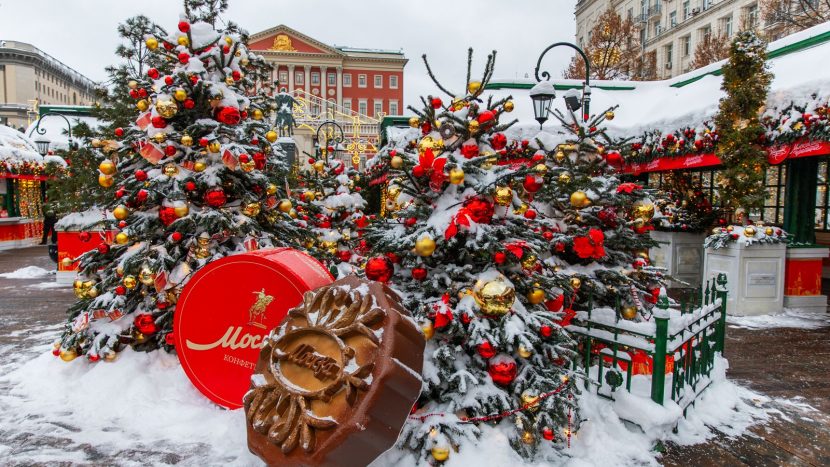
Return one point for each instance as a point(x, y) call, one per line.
point(43, 142)
point(329, 132)
point(543, 93)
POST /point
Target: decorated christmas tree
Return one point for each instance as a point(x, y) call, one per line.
point(194, 177)
point(683, 206)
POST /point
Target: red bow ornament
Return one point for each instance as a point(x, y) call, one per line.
point(590, 246)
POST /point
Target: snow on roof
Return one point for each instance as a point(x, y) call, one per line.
point(687, 100)
point(15, 146)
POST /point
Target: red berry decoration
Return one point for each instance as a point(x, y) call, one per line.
point(228, 115)
point(486, 350)
point(419, 273)
point(153, 73)
point(532, 183)
point(545, 330)
point(216, 197)
point(84, 236)
point(103, 248)
point(502, 369)
point(184, 26)
point(436, 103)
point(145, 324)
point(140, 175)
point(119, 132)
point(176, 237)
point(499, 257)
point(379, 268)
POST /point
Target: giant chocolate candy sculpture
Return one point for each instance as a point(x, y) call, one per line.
point(336, 380)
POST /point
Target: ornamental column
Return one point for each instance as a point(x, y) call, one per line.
point(339, 85)
point(308, 79)
point(290, 78)
point(324, 81)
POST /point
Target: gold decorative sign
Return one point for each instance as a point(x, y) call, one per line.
point(283, 43)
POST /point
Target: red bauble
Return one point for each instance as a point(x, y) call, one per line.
point(469, 151)
point(236, 75)
point(379, 268)
point(436, 103)
point(393, 257)
point(167, 215)
point(176, 237)
point(189, 103)
point(140, 175)
point(486, 350)
point(418, 171)
point(158, 121)
point(479, 210)
point(141, 196)
point(119, 132)
point(184, 58)
point(530, 214)
point(419, 273)
point(215, 197)
point(410, 221)
point(168, 80)
point(103, 248)
point(84, 236)
point(190, 185)
point(56, 352)
point(613, 158)
point(133, 93)
point(145, 324)
point(162, 305)
point(547, 235)
point(170, 150)
point(170, 339)
point(226, 49)
point(203, 142)
point(532, 183)
point(559, 247)
point(93, 357)
point(228, 115)
point(545, 330)
point(142, 93)
point(556, 304)
point(499, 257)
point(184, 26)
point(486, 118)
point(122, 224)
point(344, 255)
point(120, 290)
point(547, 433)
point(243, 158)
point(498, 141)
point(502, 369)
point(259, 160)
point(153, 73)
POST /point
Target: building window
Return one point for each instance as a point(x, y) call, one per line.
point(669, 56)
point(347, 105)
point(347, 80)
point(315, 78)
point(643, 37)
point(362, 107)
point(332, 79)
point(686, 42)
point(727, 26)
point(775, 180)
point(393, 82)
point(705, 32)
point(707, 4)
point(378, 110)
point(657, 28)
point(751, 17)
point(707, 178)
point(283, 77)
point(361, 81)
point(393, 108)
point(822, 193)
point(686, 10)
point(378, 81)
point(299, 78)
point(672, 19)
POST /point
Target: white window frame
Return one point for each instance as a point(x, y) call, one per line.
point(378, 84)
point(331, 79)
point(363, 106)
point(375, 104)
point(299, 78)
point(362, 78)
point(393, 81)
point(315, 78)
point(347, 104)
point(347, 80)
point(394, 109)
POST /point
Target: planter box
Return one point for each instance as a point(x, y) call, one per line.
point(755, 276)
point(681, 253)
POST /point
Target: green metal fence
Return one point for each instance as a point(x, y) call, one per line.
point(677, 345)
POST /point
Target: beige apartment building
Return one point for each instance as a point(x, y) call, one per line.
point(30, 77)
point(673, 28)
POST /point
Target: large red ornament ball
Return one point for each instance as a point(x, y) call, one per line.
point(120, 290)
point(545, 330)
point(167, 215)
point(419, 273)
point(184, 26)
point(485, 118)
point(547, 433)
point(170, 150)
point(479, 210)
point(228, 115)
point(486, 350)
point(613, 158)
point(502, 369)
point(84, 236)
point(418, 171)
point(498, 141)
point(530, 214)
point(140, 175)
point(184, 58)
point(153, 73)
point(499, 257)
point(168, 80)
point(344, 255)
point(158, 121)
point(189, 103)
point(379, 268)
point(190, 185)
point(145, 324)
point(103, 248)
point(436, 103)
point(216, 198)
point(532, 183)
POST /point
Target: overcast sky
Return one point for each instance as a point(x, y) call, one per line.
point(82, 33)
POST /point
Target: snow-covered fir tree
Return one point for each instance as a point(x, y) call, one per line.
point(194, 178)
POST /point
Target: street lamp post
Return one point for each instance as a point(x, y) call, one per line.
point(543, 93)
point(329, 132)
point(43, 142)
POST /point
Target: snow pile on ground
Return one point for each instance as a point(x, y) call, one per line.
point(49, 285)
point(28, 272)
point(789, 318)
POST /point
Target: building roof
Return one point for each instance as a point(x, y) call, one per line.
point(797, 61)
point(317, 47)
point(17, 47)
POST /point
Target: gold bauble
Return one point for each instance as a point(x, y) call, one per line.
point(92, 292)
point(564, 177)
point(68, 355)
point(425, 246)
point(319, 166)
point(253, 209)
point(171, 169)
point(180, 94)
point(214, 146)
point(473, 126)
point(495, 297)
point(229, 80)
point(182, 41)
point(121, 212)
point(440, 453)
point(257, 114)
point(308, 195)
point(560, 156)
point(181, 210)
point(167, 107)
point(628, 312)
point(107, 167)
point(579, 199)
point(528, 438)
point(139, 338)
point(285, 205)
point(414, 122)
point(247, 166)
point(271, 136)
point(328, 245)
point(292, 213)
point(536, 296)
point(529, 262)
point(609, 115)
point(474, 87)
point(768, 231)
point(152, 43)
point(186, 140)
point(540, 169)
point(132, 84)
point(530, 400)
point(122, 239)
point(503, 195)
point(576, 282)
point(146, 276)
point(456, 176)
point(105, 181)
point(524, 352)
point(749, 231)
point(643, 210)
point(521, 209)
point(142, 105)
point(67, 262)
point(396, 162)
point(199, 166)
point(271, 189)
point(119, 270)
point(110, 356)
point(508, 106)
point(129, 282)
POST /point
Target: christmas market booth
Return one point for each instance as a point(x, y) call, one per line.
point(22, 178)
point(673, 136)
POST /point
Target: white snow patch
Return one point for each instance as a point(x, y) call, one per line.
point(789, 318)
point(28, 272)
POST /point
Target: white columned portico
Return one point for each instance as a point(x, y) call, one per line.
point(339, 81)
point(308, 79)
point(324, 81)
point(290, 78)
